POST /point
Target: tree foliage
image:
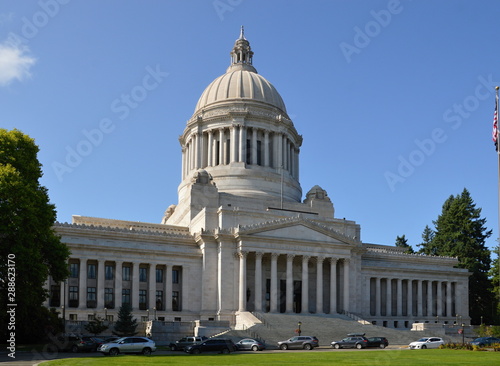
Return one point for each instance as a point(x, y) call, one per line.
point(96, 326)
point(26, 235)
point(460, 232)
point(126, 324)
point(402, 242)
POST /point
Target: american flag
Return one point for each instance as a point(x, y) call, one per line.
point(495, 124)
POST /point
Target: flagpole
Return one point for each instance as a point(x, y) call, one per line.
point(498, 163)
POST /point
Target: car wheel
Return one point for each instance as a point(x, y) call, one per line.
point(359, 346)
point(381, 345)
point(424, 347)
point(74, 349)
point(196, 351)
point(113, 351)
point(284, 347)
point(307, 346)
point(225, 351)
point(255, 348)
point(173, 348)
point(146, 351)
point(336, 346)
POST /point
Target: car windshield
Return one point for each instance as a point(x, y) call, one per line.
point(423, 340)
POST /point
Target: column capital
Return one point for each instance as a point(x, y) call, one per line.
point(259, 255)
point(290, 256)
point(275, 255)
point(305, 258)
point(241, 254)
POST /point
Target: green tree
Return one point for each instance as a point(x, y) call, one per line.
point(402, 242)
point(126, 324)
point(426, 245)
point(29, 246)
point(495, 281)
point(96, 326)
point(461, 232)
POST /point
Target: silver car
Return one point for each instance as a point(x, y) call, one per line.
point(427, 342)
point(128, 345)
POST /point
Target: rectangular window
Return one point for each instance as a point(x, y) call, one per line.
point(109, 272)
point(91, 297)
point(90, 317)
point(143, 274)
point(55, 295)
point(126, 274)
point(126, 296)
point(159, 275)
point(73, 317)
point(175, 276)
point(109, 318)
point(175, 301)
point(73, 296)
point(73, 270)
point(142, 299)
point(91, 271)
point(109, 302)
point(159, 300)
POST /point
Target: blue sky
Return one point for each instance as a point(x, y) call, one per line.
point(394, 99)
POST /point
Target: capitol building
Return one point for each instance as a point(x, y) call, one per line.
point(242, 239)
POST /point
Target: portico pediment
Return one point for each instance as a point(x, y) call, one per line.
point(296, 229)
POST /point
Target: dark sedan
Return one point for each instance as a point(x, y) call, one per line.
point(485, 341)
point(380, 342)
point(249, 344)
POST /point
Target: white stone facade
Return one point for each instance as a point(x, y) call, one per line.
point(241, 238)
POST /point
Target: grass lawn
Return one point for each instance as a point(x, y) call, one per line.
point(298, 358)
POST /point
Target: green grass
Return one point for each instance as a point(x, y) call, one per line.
point(296, 358)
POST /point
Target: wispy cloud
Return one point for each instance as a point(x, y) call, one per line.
point(15, 62)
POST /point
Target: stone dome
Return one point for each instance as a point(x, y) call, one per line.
point(241, 82)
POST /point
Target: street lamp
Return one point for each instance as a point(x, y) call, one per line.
point(155, 312)
point(299, 324)
point(105, 314)
point(148, 313)
point(463, 334)
point(64, 317)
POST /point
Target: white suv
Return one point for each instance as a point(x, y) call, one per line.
point(128, 345)
point(423, 343)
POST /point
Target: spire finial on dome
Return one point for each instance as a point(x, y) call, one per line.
point(241, 53)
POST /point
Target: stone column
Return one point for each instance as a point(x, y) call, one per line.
point(439, 298)
point(319, 285)
point(196, 150)
point(409, 300)
point(64, 293)
point(333, 285)
point(118, 284)
point(254, 146)
point(243, 144)
point(222, 150)
point(183, 165)
point(168, 287)
point(378, 297)
point(82, 289)
point(234, 152)
point(429, 298)
point(210, 148)
point(448, 299)
point(266, 148)
point(305, 284)
point(279, 148)
point(243, 281)
point(258, 281)
point(346, 284)
point(419, 298)
point(100, 284)
point(388, 301)
point(134, 293)
point(152, 286)
point(399, 298)
point(185, 290)
point(289, 283)
point(274, 283)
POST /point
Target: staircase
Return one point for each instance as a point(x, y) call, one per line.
point(279, 327)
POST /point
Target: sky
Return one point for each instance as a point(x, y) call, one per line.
point(394, 99)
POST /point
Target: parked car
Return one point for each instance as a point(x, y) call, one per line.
point(128, 345)
point(427, 342)
point(351, 341)
point(485, 341)
point(212, 345)
point(249, 344)
point(75, 343)
point(186, 341)
point(299, 342)
point(380, 342)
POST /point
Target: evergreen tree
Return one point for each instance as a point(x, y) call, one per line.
point(495, 281)
point(461, 232)
point(96, 326)
point(125, 325)
point(426, 246)
point(402, 242)
point(29, 247)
